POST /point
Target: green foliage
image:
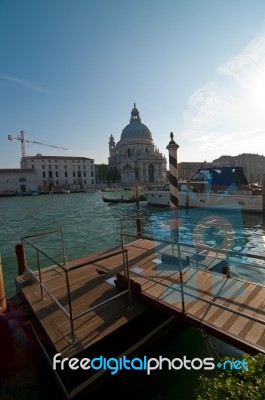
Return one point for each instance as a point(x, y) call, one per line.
point(235, 384)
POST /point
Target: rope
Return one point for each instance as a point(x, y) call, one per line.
point(210, 346)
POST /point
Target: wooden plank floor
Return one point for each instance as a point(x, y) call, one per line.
point(88, 289)
point(159, 282)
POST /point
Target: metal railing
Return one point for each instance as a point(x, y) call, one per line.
point(177, 249)
point(220, 255)
point(38, 277)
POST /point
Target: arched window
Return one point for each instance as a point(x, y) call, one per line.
point(127, 166)
point(129, 153)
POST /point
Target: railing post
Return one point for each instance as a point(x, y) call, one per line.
point(127, 275)
point(40, 277)
point(122, 237)
point(181, 288)
point(70, 306)
point(228, 271)
point(63, 247)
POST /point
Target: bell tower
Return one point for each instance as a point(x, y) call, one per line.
point(112, 145)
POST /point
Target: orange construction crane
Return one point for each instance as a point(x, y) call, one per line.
point(21, 137)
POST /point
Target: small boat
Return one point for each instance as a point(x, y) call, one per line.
point(123, 200)
point(91, 190)
point(8, 193)
point(111, 200)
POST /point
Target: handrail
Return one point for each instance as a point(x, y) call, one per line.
point(94, 260)
point(43, 288)
point(124, 252)
point(225, 252)
point(262, 321)
point(183, 292)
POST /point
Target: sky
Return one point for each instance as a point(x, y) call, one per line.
point(71, 70)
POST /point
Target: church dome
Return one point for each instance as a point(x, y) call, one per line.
point(135, 129)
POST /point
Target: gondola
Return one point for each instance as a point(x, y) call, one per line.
point(122, 200)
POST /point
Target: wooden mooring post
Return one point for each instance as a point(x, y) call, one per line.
point(139, 227)
point(2, 290)
point(263, 192)
point(20, 259)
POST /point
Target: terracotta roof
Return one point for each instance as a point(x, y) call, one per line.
point(17, 170)
point(56, 158)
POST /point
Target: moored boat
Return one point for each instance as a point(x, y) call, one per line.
point(124, 200)
point(221, 187)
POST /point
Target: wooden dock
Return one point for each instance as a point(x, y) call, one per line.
point(161, 294)
point(106, 320)
point(229, 308)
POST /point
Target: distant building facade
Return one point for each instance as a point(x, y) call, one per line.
point(186, 170)
point(135, 156)
point(253, 164)
point(57, 173)
point(19, 181)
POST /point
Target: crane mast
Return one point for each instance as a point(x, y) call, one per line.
point(22, 139)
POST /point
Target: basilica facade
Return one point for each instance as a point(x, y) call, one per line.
point(135, 157)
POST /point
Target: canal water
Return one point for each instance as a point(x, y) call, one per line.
point(89, 225)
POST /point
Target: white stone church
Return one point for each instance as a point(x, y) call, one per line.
point(135, 156)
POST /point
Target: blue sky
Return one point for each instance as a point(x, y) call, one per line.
point(70, 71)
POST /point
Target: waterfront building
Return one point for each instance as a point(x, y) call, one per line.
point(186, 170)
point(17, 181)
point(55, 173)
point(135, 155)
point(253, 164)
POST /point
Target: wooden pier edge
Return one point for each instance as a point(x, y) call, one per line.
point(207, 328)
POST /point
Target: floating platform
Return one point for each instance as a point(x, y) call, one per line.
point(116, 302)
point(105, 320)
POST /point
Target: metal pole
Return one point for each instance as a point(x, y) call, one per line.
point(40, 277)
point(128, 279)
point(22, 139)
point(70, 307)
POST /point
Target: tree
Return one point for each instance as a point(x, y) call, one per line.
point(235, 384)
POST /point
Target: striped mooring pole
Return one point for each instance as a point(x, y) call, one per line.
point(173, 173)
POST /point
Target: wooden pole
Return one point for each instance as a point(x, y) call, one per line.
point(263, 192)
point(137, 192)
point(20, 259)
point(139, 227)
point(2, 290)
